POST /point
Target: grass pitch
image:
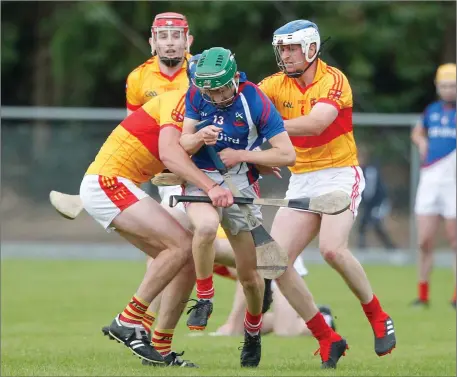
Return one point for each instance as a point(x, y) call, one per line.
point(52, 312)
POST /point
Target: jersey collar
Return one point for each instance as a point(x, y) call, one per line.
point(447, 105)
point(321, 70)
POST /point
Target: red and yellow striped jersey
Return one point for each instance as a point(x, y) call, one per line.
point(147, 81)
point(132, 149)
point(335, 147)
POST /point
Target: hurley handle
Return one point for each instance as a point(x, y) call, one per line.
point(175, 199)
point(211, 150)
point(202, 124)
point(216, 159)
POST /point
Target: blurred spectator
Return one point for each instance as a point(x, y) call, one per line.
point(375, 204)
point(435, 137)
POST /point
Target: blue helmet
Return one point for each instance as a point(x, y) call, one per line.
point(294, 26)
point(192, 67)
point(301, 32)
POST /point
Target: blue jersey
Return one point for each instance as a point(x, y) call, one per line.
point(246, 124)
point(439, 122)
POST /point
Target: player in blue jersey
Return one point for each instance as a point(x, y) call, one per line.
point(243, 118)
point(435, 137)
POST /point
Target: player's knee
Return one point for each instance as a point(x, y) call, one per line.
point(185, 246)
point(182, 246)
point(206, 232)
point(426, 244)
point(250, 281)
point(330, 252)
point(250, 285)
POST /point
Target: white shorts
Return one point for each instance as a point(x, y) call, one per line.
point(106, 197)
point(435, 196)
point(319, 182)
point(166, 191)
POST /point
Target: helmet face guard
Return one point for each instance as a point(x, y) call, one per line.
point(222, 97)
point(302, 33)
point(170, 38)
point(216, 77)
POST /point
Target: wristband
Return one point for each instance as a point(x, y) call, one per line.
point(213, 186)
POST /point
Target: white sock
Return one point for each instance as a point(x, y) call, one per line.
point(128, 324)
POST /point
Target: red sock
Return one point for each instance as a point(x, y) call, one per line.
point(319, 327)
point(148, 320)
point(205, 288)
point(423, 290)
point(372, 309)
point(134, 312)
point(252, 323)
point(161, 340)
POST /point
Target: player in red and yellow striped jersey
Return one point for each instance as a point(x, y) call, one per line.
point(132, 149)
point(144, 144)
point(148, 80)
point(315, 100)
point(166, 70)
point(170, 42)
point(334, 146)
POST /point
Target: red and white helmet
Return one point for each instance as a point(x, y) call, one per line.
point(169, 21)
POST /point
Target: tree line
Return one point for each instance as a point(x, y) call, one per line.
point(80, 53)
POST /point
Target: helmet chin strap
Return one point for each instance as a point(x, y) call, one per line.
point(297, 74)
point(170, 62)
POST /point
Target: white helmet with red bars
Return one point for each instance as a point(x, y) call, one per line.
point(165, 24)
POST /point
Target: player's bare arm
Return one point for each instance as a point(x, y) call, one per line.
point(321, 116)
point(281, 153)
point(419, 137)
point(175, 158)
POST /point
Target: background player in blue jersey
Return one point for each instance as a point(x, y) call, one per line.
point(243, 117)
point(435, 136)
